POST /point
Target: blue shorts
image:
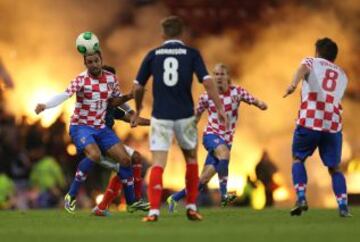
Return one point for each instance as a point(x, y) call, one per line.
point(306, 140)
point(211, 142)
point(82, 136)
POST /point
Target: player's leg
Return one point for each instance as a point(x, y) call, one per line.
point(109, 142)
point(136, 164)
point(114, 185)
point(84, 141)
point(330, 148)
point(206, 174)
point(186, 135)
point(304, 144)
point(161, 135)
point(111, 191)
point(222, 153)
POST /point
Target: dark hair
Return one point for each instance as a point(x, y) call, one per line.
point(172, 26)
point(109, 68)
point(326, 48)
point(98, 52)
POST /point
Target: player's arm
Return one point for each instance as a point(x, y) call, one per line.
point(117, 101)
point(300, 74)
point(52, 102)
point(202, 105)
point(245, 96)
point(139, 86)
point(213, 94)
point(140, 120)
point(124, 113)
point(74, 86)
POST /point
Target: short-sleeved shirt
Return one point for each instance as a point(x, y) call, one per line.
point(231, 102)
point(321, 96)
point(92, 98)
point(172, 66)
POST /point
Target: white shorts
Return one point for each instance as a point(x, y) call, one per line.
point(162, 133)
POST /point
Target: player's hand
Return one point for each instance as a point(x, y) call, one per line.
point(134, 119)
point(289, 90)
point(39, 108)
point(262, 105)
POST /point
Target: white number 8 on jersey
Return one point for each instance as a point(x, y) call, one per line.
point(171, 75)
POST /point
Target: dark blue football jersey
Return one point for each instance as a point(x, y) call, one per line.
point(172, 66)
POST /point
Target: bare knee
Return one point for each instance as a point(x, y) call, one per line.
point(136, 158)
point(92, 152)
point(222, 152)
point(125, 161)
point(204, 180)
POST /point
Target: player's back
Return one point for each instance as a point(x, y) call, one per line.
point(321, 95)
point(172, 66)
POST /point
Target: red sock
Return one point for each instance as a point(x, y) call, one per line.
point(155, 187)
point(137, 180)
point(111, 192)
point(192, 182)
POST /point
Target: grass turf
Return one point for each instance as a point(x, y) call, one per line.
point(220, 225)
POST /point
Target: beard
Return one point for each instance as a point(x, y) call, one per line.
point(95, 71)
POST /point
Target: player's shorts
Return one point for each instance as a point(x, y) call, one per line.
point(306, 140)
point(212, 141)
point(83, 135)
point(162, 133)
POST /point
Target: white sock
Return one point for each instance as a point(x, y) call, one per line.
point(154, 212)
point(191, 206)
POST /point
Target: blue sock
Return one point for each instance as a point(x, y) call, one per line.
point(181, 194)
point(83, 169)
point(223, 171)
point(127, 179)
point(299, 180)
point(339, 188)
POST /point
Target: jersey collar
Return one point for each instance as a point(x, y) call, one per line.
point(173, 41)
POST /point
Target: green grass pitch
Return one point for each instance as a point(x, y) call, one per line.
point(220, 225)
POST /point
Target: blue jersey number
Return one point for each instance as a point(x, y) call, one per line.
point(171, 75)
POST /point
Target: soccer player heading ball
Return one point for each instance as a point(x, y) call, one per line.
point(93, 88)
point(172, 66)
point(319, 121)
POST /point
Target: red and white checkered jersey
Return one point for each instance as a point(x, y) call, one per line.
point(321, 94)
point(231, 102)
point(92, 98)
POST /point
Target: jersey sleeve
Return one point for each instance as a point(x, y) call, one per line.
point(245, 96)
point(200, 68)
point(145, 70)
point(118, 113)
point(203, 103)
point(75, 86)
point(308, 62)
